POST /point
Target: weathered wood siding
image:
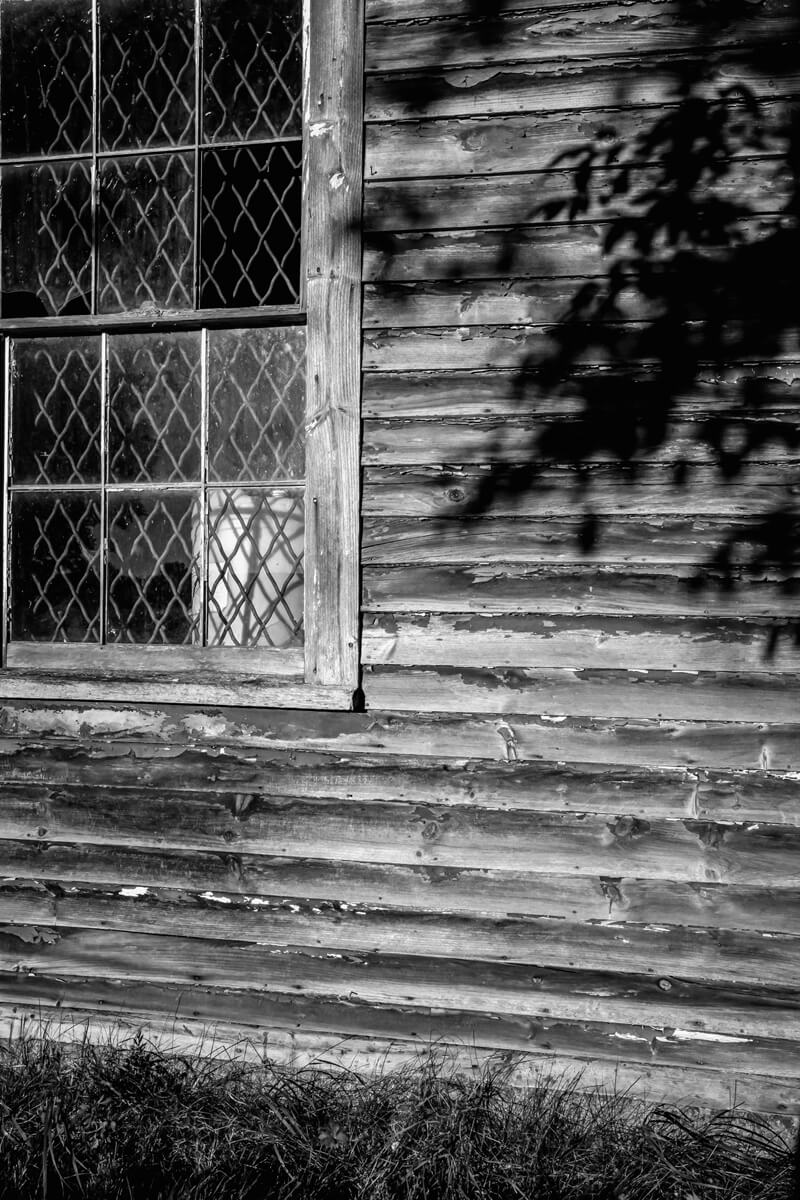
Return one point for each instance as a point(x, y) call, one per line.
point(568, 822)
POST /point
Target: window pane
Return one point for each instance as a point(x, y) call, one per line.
point(55, 567)
point(46, 90)
point(255, 568)
point(250, 235)
point(146, 224)
point(47, 239)
point(256, 405)
point(153, 555)
point(55, 411)
point(253, 69)
point(154, 408)
point(146, 73)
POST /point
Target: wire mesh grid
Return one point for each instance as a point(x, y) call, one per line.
point(255, 568)
point(55, 565)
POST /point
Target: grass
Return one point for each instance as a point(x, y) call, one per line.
point(103, 1121)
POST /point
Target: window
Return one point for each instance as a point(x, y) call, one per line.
point(180, 315)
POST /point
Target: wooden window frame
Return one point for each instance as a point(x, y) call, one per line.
point(324, 673)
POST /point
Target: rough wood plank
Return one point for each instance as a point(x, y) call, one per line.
point(53, 684)
point(460, 393)
point(760, 184)
point(623, 742)
point(579, 84)
point(573, 589)
point(515, 142)
point(515, 347)
point(455, 985)
point(538, 1035)
point(666, 695)
point(232, 777)
point(703, 955)
point(332, 183)
point(445, 836)
point(489, 440)
point(607, 489)
point(509, 301)
point(76, 1020)
point(417, 886)
point(544, 251)
point(500, 541)
point(650, 26)
point(408, 10)
point(577, 643)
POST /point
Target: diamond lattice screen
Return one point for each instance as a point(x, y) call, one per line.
point(155, 479)
point(191, 208)
point(185, 525)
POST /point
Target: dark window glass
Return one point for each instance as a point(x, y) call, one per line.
point(250, 231)
point(256, 404)
point(154, 408)
point(146, 233)
point(47, 239)
point(46, 86)
point(55, 411)
point(146, 73)
point(253, 69)
point(153, 568)
point(55, 567)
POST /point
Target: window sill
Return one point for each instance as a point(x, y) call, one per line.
point(166, 675)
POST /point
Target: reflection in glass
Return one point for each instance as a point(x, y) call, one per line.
point(255, 568)
point(250, 226)
point(253, 70)
point(146, 73)
point(153, 581)
point(55, 410)
point(256, 406)
point(154, 407)
point(47, 239)
point(46, 85)
point(55, 567)
point(146, 231)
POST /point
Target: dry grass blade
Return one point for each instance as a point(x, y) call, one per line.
point(130, 1121)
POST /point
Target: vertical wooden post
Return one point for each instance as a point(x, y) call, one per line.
point(333, 167)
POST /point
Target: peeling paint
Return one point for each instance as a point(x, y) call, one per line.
point(218, 899)
point(132, 892)
point(205, 725)
point(509, 741)
point(693, 1035)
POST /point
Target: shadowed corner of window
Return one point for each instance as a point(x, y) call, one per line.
point(17, 304)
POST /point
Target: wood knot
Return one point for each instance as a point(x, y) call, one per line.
point(626, 828)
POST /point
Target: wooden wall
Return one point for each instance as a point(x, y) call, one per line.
point(567, 825)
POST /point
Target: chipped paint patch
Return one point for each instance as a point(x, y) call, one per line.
point(218, 899)
point(205, 725)
point(694, 1035)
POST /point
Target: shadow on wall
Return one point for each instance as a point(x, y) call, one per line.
point(683, 348)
